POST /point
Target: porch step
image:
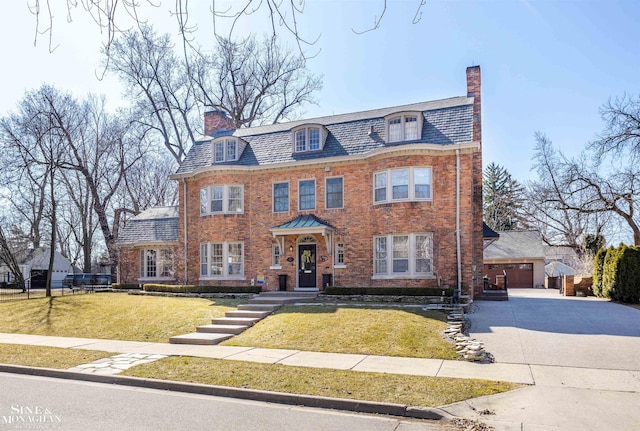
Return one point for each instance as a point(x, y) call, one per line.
point(200, 338)
point(246, 321)
point(247, 313)
point(283, 297)
point(221, 329)
point(259, 307)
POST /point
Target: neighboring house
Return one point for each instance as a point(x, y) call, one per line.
point(554, 271)
point(519, 254)
point(34, 264)
point(566, 255)
point(147, 247)
point(387, 197)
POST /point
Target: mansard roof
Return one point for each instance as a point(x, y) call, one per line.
point(446, 122)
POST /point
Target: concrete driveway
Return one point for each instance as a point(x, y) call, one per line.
point(582, 354)
point(540, 327)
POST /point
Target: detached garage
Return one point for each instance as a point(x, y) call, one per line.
point(519, 255)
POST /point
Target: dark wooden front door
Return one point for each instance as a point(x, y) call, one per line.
point(307, 265)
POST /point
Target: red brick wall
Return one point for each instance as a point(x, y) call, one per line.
point(357, 223)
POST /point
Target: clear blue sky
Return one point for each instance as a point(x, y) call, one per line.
point(547, 65)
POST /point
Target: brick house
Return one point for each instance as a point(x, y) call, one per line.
point(387, 197)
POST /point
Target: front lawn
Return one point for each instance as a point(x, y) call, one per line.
point(48, 357)
point(115, 316)
point(367, 330)
point(391, 388)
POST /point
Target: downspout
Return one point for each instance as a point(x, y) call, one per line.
point(184, 199)
point(459, 256)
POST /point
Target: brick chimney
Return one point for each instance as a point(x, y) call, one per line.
point(473, 90)
point(216, 120)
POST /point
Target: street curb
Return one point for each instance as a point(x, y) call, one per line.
point(358, 406)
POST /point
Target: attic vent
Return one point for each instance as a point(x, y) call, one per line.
point(371, 131)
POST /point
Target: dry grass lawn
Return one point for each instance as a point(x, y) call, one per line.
point(392, 388)
point(366, 330)
point(47, 357)
point(115, 316)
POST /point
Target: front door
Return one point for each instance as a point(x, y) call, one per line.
point(307, 265)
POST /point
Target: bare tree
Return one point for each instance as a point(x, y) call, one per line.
point(572, 197)
point(114, 18)
point(254, 83)
point(621, 136)
point(8, 257)
point(157, 85)
point(94, 151)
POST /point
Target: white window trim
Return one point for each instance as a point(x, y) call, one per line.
point(225, 148)
point(225, 260)
point(273, 196)
point(225, 199)
point(411, 195)
point(411, 274)
point(307, 138)
point(315, 194)
point(403, 115)
point(326, 193)
point(343, 264)
point(159, 270)
point(273, 257)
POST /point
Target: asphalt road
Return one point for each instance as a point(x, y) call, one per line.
point(28, 402)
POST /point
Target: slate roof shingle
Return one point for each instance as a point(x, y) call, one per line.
point(154, 225)
point(446, 122)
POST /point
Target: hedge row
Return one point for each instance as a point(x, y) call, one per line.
point(619, 276)
point(200, 289)
point(126, 286)
point(396, 291)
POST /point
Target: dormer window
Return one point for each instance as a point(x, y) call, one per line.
point(225, 150)
point(404, 127)
point(308, 138)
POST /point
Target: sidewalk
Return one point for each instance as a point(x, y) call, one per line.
point(539, 375)
point(541, 406)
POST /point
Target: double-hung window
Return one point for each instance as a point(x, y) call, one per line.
point(334, 190)
point(222, 199)
point(275, 256)
point(407, 255)
point(340, 254)
point(405, 184)
point(280, 197)
point(225, 151)
point(222, 260)
point(307, 195)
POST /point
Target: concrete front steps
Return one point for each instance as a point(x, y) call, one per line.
point(236, 321)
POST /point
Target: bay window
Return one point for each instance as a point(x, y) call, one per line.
point(405, 184)
point(223, 199)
